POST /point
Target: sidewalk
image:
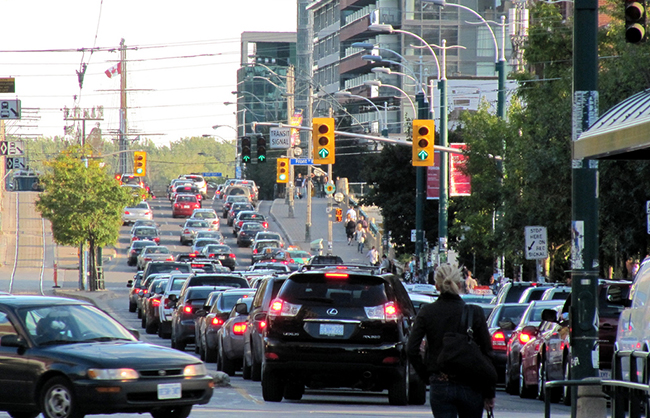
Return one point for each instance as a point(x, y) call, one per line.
point(294, 228)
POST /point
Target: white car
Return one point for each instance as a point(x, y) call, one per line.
point(142, 211)
point(209, 215)
point(165, 309)
point(198, 181)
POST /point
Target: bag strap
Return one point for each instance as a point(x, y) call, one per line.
point(467, 319)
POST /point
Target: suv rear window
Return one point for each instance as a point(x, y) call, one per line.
point(317, 289)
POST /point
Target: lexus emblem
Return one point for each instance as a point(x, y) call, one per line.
point(332, 311)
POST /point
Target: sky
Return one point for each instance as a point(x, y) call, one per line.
point(181, 62)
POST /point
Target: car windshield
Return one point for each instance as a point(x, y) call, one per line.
point(70, 324)
point(196, 224)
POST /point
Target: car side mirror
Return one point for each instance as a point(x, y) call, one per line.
point(201, 313)
point(13, 340)
point(241, 309)
point(549, 315)
point(260, 316)
point(173, 298)
point(129, 283)
point(530, 330)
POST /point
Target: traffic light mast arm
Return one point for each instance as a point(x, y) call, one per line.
point(402, 142)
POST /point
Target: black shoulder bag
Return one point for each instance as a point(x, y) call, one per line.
point(462, 357)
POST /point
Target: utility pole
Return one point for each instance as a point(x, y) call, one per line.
point(123, 123)
point(290, 152)
point(584, 195)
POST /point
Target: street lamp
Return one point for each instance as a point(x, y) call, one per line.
point(500, 59)
point(388, 71)
point(378, 83)
point(343, 93)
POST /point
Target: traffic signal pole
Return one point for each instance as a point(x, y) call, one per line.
point(584, 225)
point(420, 187)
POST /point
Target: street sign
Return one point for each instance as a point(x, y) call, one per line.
point(211, 174)
point(12, 148)
point(280, 138)
point(9, 109)
point(17, 163)
point(7, 85)
point(302, 161)
point(330, 188)
point(536, 243)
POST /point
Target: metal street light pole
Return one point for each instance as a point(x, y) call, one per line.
point(383, 128)
point(377, 83)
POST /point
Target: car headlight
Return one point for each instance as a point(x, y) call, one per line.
point(195, 370)
point(112, 374)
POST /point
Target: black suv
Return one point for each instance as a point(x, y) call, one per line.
point(166, 267)
point(340, 327)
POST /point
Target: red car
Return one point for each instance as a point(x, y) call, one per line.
point(184, 205)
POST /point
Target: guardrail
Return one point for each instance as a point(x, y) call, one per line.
point(629, 395)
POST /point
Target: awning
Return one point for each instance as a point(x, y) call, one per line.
point(622, 133)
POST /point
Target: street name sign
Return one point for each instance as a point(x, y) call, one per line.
point(302, 161)
point(280, 138)
point(12, 148)
point(211, 174)
point(9, 109)
point(536, 243)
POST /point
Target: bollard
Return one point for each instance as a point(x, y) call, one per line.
point(56, 277)
point(591, 401)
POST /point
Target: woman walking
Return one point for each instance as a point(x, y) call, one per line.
point(360, 237)
point(350, 226)
point(452, 395)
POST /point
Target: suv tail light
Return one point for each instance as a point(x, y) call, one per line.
point(216, 321)
point(524, 338)
point(155, 302)
point(240, 223)
point(499, 340)
point(239, 328)
point(187, 309)
point(265, 225)
point(232, 255)
point(386, 312)
point(281, 308)
point(255, 251)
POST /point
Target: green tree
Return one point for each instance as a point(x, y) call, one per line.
point(84, 204)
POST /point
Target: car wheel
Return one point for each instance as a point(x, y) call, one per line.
point(23, 414)
point(256, 369)
point(161, 333)
point(58, 399)
point(150, 328)
point(132, 306)
point(566, 395)
point(227, 365)
point(525, 391)
point(172, 412)
point(272, 387)
point(398, 389)
point(143, 323)
point(246, 369)
point(541, 379)
point(417, 390)
point(512, 386)
point(293, 391)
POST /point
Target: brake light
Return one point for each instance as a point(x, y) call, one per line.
point(524, 338)
point(240, 223)
point(126, 212)
point(187, 309)
point(170, 258)
point(265, 225)
point(176, 205)
point(386, 312)
point(211, 255)
point(147, 212)
point(147, 259)
point(155, 303)
point(145, 291)
point(239, 328)
point(262, 324)
point(282, 308)
point(187, 231)
point(167, 303)
point(341, 267)
point(255, 251)
point(499, 340)
point(192, 255)
point(336, 275)
point(217, 321)
point(232, 255)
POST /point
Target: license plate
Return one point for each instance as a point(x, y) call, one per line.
point(605, 374)
point(222, 257)
point(169, 391)
point(331, 329)
point(186, 206)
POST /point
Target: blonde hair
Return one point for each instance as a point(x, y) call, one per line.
point(448, 279)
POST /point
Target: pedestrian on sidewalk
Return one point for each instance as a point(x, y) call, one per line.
point(351, 213)
point(384, 267)
point(373, 256)
point(350, 227)
point(363, 222)
point(456, 395)
point(360, 237)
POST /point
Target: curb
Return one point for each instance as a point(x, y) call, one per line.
point(279, 224)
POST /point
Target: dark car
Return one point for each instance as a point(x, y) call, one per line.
point(166, 267)
point(501, 323)
point(248, 216)
point(215, 318)
point(331, 328)
point(135, 285)
point(151, 304)
point(135, 249)
point(231, 337)
point(221, 252)
point(148, 233)
point(230, 200)
point(235, 209)
point(511, 292)
point(247, 233)
point(254, 333)
point(66, 358)
point(188, 303)
point(325, 260)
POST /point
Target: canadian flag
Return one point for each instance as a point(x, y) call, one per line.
point(116, 69)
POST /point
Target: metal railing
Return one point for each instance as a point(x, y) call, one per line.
point(628, 390)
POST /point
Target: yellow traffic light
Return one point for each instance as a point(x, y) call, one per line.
point(323, 140)
point(139, 163)
point(423, 141)
point(283, 170)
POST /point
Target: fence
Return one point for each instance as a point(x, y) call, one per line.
point(628, 390)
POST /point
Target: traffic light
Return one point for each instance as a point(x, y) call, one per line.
point(635, 21)
point(322, 135)
point(139, 163)
point(246, 149)
point(283, 170)
point(339, 215)
point(261, 149)
point(423, 141)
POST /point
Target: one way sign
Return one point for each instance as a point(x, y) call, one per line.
point(536, 243)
